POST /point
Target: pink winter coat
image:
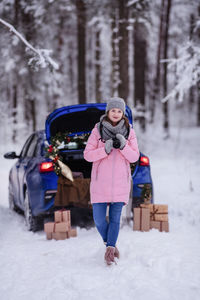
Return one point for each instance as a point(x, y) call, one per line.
point(111, 174)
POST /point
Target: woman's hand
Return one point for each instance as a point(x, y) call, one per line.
point(122, 140)
point(108, 146)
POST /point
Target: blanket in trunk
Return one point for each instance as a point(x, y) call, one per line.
point(76, 193)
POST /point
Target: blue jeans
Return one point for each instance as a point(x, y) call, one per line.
point(108, 230)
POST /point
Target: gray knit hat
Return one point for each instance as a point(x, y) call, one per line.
point(116, 102)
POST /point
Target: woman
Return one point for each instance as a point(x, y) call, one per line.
point(112, 146)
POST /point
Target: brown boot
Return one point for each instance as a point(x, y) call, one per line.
point(116, 254)
point(109, 255)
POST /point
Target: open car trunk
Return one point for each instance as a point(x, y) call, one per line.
point(76, 119)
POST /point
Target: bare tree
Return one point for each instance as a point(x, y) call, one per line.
point(115, 51)
point(15, 92)
point(123, 88)
point(14, 112)
point(156, 82)
point(140, 16)
point(198, 85)
point(191, 91)
point(140, 64)
point(165, 56)
point(97, 63)
point(81, 35)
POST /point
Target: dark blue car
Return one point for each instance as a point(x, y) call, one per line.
point(32, 180)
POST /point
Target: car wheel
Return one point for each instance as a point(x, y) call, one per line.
point(32, 222)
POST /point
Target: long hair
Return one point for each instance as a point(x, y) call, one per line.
point(123, 117)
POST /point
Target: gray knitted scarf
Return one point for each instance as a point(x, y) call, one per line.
point(108, 131)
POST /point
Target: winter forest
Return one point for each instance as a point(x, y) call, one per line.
point(56, 53)
point(147, 52)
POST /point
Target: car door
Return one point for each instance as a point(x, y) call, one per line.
point(25, 165)
point(20, 165)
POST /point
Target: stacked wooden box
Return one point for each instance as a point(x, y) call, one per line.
point(60, 229)
point(149, 216)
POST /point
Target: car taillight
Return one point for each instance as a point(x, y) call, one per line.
point(46, 167)
point(144, 161)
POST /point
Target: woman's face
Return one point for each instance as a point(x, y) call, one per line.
point(115, 115)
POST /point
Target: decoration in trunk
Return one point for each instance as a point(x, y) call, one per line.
point(133, 166)
point(69, 141)
point(62, 141)
point(147, 193)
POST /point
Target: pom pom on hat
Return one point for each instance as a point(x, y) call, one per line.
point(116, 102)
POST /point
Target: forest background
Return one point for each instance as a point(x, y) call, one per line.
point(145, 51)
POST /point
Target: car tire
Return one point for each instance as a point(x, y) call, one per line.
point(32, 223)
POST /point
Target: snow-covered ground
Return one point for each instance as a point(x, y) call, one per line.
point(153, 265)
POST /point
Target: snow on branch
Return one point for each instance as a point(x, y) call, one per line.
point(41, 56)
point(187, 70)
point(131, 2)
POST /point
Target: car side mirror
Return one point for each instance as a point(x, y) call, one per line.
point(11, 155)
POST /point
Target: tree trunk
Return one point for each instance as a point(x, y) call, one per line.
point(156, 85)
point(123, 88)
point(198, 85)
point(115, 53)
point(30, 110)
point(27, 20)
point(15, 79)
point(97, 65)
point(33, 113)
point(81, 36)
point(14, 113)
point(16, 6)
point(165, 56)
point(71, 69)
point(140, 70)
point(198, 105)
point(176, 76)
point(191, 91)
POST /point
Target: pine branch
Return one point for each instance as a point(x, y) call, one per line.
point(42, 56)
point(187, 69)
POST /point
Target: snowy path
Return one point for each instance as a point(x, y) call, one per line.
point(153, 265)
